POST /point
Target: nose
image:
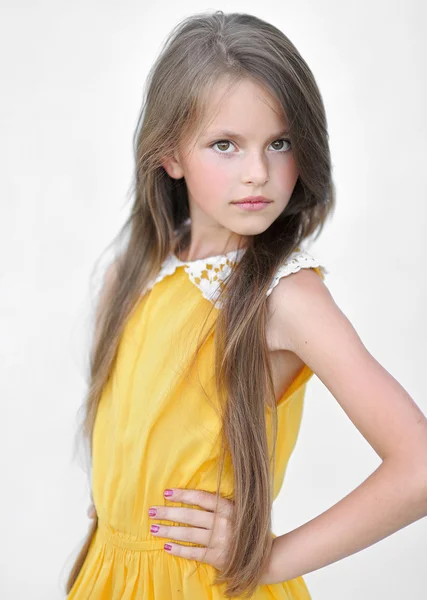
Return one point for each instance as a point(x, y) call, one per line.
point(255, 169)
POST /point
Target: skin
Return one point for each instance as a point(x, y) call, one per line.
point(259, 162)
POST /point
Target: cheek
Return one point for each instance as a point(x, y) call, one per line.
point(208, 177)
point(214, 173)
point(286, 174)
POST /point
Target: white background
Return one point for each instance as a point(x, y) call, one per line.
point(71, 87)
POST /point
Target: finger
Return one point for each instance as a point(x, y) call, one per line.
point(181, 534)
point(190, 516)
point(204, 499)
point(189, 552)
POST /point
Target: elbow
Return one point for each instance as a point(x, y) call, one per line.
point(412, 478)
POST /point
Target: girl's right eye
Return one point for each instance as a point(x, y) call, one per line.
point(219, 143)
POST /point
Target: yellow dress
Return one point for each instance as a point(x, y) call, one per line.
point(155, 429)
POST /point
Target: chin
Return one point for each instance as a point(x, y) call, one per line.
point(254, 227)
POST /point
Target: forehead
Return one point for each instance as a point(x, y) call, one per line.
point(241, 106)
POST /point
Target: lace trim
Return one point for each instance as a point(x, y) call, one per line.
point(296, 261)
point(209, 274)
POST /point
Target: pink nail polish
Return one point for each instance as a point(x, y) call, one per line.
point(152, 512)
point(168, 493)
point(167, 547)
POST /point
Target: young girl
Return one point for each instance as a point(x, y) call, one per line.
point(211, 321)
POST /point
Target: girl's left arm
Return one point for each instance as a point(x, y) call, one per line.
point(308, 322)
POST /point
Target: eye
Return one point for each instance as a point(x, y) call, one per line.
point(227, 142)
point(221, 143)
point(288, 142)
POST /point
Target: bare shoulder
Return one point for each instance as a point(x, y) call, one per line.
point(300, 307)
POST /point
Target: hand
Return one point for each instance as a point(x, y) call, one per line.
point(91, 512)
point(202, 521)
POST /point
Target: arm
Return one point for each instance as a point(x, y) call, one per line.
point(312, 326)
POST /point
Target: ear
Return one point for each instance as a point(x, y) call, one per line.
point(173, 167)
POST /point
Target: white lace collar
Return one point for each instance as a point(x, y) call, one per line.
point(208, 274)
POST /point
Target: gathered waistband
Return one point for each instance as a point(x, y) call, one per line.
point(107, 534)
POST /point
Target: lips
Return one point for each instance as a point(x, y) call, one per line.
point(252, 199)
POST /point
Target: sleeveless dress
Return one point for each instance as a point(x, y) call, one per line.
point(155, 429)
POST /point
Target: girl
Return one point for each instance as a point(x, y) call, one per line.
point(211, 322)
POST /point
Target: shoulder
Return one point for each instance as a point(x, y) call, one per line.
point(296, 261)
point(307, 321)
point(300, 304)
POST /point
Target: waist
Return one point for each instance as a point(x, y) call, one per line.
point(113, 537)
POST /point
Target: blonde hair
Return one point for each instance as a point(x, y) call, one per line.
point(197, 52)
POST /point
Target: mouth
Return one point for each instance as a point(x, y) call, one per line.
point(253, 200)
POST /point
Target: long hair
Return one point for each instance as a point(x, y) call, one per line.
point(196, 53)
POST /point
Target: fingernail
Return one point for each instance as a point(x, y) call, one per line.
point(154, 528)
point(168, 493)
point(152, 512)
point(167, 547)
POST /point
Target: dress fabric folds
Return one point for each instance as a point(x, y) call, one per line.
point(156, 429)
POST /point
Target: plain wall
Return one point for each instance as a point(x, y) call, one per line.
point(71, 87)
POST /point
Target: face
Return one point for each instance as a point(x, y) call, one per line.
point(241, 150)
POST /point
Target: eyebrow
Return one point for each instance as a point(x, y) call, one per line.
point(237, 136)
